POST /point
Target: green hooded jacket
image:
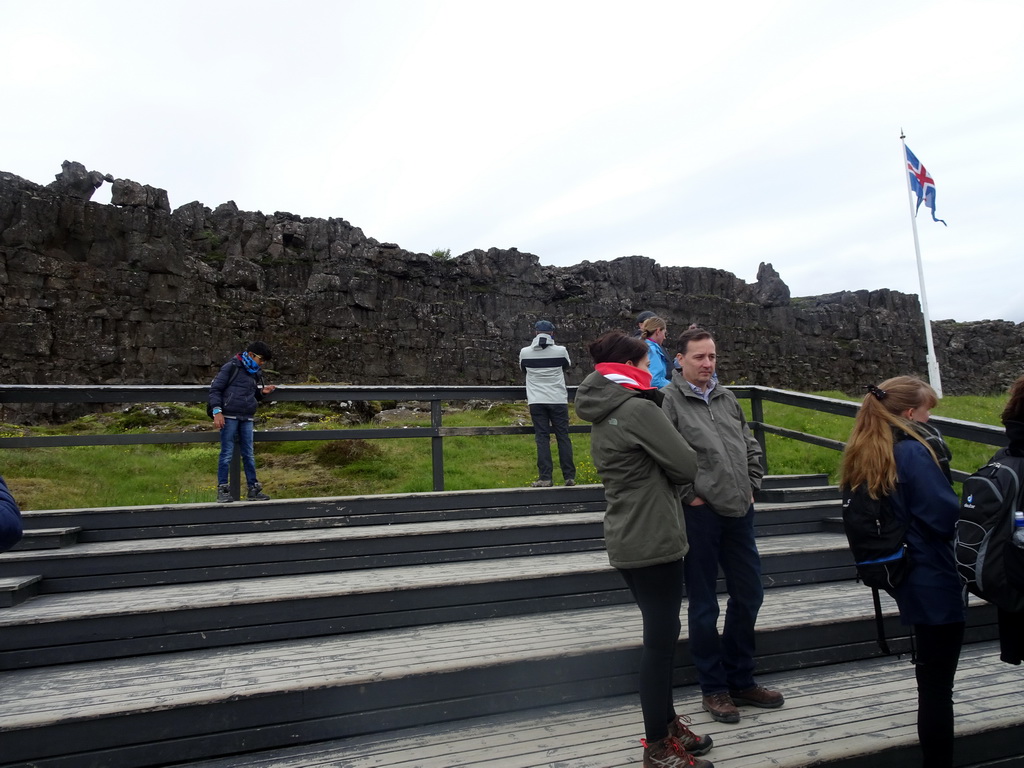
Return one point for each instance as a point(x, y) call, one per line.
point(641, 459)
point(728, 455)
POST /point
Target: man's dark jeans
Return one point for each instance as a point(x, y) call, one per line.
point(548, 417)
point(723, 662)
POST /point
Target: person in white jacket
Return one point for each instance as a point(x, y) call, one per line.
point(544, 364)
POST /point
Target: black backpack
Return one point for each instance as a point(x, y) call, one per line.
point(985, 556)
point(877, 539)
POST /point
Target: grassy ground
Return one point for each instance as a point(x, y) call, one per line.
point(59, 478)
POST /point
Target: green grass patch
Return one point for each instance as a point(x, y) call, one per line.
point(60, 478)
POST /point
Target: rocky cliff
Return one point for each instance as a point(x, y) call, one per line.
point(133, 292)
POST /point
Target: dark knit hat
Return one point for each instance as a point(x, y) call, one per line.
point(259, 348)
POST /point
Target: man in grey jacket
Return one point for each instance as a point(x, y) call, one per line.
point(719, 511)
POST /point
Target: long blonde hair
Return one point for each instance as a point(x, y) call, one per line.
point(869, 459)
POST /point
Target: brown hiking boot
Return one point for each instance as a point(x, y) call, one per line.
point(670, 753)
point(692, 743)
point(721, 707)
point(758, 696)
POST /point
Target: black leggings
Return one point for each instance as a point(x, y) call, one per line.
point(938, 652)
point(658, 590)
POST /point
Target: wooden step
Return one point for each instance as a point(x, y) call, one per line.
point(184, 558)
point(47, 538)
point(77, 626)
point(793, 481)
point(796, 495)
point(118, 564)
point(170, 520)
point(18, 589)
point(855, 715)
point(173, 520)
point(190, 705)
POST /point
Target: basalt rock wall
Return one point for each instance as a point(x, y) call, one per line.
point(133, 292)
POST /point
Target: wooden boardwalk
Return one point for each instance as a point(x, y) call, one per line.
point(428, 630)
point(832, 715)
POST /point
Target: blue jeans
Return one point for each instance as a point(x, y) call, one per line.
point(242, 431)
point(724, 662)
point(548, 417)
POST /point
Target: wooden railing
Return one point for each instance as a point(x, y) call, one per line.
point(436, 432)
point(758, 396)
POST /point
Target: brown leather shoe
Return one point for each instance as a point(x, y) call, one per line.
point(679, 729)
point(669, 753)
point(720, 706)
point(758, 696)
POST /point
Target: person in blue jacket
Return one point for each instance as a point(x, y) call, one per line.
point(234, 394)
point(653, 332)
point(892, 456)
point(10, 519)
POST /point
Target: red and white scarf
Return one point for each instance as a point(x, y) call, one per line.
point(628, 376)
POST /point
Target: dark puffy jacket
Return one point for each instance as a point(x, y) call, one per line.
point(10, 519)
point(239, 395)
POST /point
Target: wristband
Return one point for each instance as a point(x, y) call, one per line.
point(216, 411)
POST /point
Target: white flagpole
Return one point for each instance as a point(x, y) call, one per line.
point(933, 363)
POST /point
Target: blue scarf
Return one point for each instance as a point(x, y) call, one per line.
point(250, 365)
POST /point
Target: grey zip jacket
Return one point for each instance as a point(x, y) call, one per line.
point(641, 460)
point(728, 456)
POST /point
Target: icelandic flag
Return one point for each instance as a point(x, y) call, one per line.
point(922, 184)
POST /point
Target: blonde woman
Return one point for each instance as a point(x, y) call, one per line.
point(653, 331)
point(889, 454)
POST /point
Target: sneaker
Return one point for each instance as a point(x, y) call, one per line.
point(256, 493)
point(540, 484)
point(721, 707)
point(570, 483)
point(670, 753)
point(679, 729)
point(224, 494)
point(758, 696)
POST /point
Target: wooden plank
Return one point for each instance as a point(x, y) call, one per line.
point(831, 714)
point(368, 657)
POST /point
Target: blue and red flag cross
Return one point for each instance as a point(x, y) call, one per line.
point(922, 183)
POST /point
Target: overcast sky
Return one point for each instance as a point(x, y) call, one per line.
point(718, 134)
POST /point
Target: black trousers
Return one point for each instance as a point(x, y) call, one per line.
point(1011, 636)
point(938, 653)
point(658, 590)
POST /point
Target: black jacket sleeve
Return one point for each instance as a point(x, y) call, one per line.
point(10, 519)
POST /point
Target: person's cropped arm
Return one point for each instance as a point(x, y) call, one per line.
point(10, 519)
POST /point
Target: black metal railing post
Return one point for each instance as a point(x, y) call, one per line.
point(757, 416)
point(235, 472)
point(437, 445)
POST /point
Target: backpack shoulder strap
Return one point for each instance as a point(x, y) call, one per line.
point(879, 623)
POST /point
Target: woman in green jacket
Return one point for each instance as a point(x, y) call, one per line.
point(641, 459)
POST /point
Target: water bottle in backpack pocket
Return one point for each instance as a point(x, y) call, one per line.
point(1015, 553)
